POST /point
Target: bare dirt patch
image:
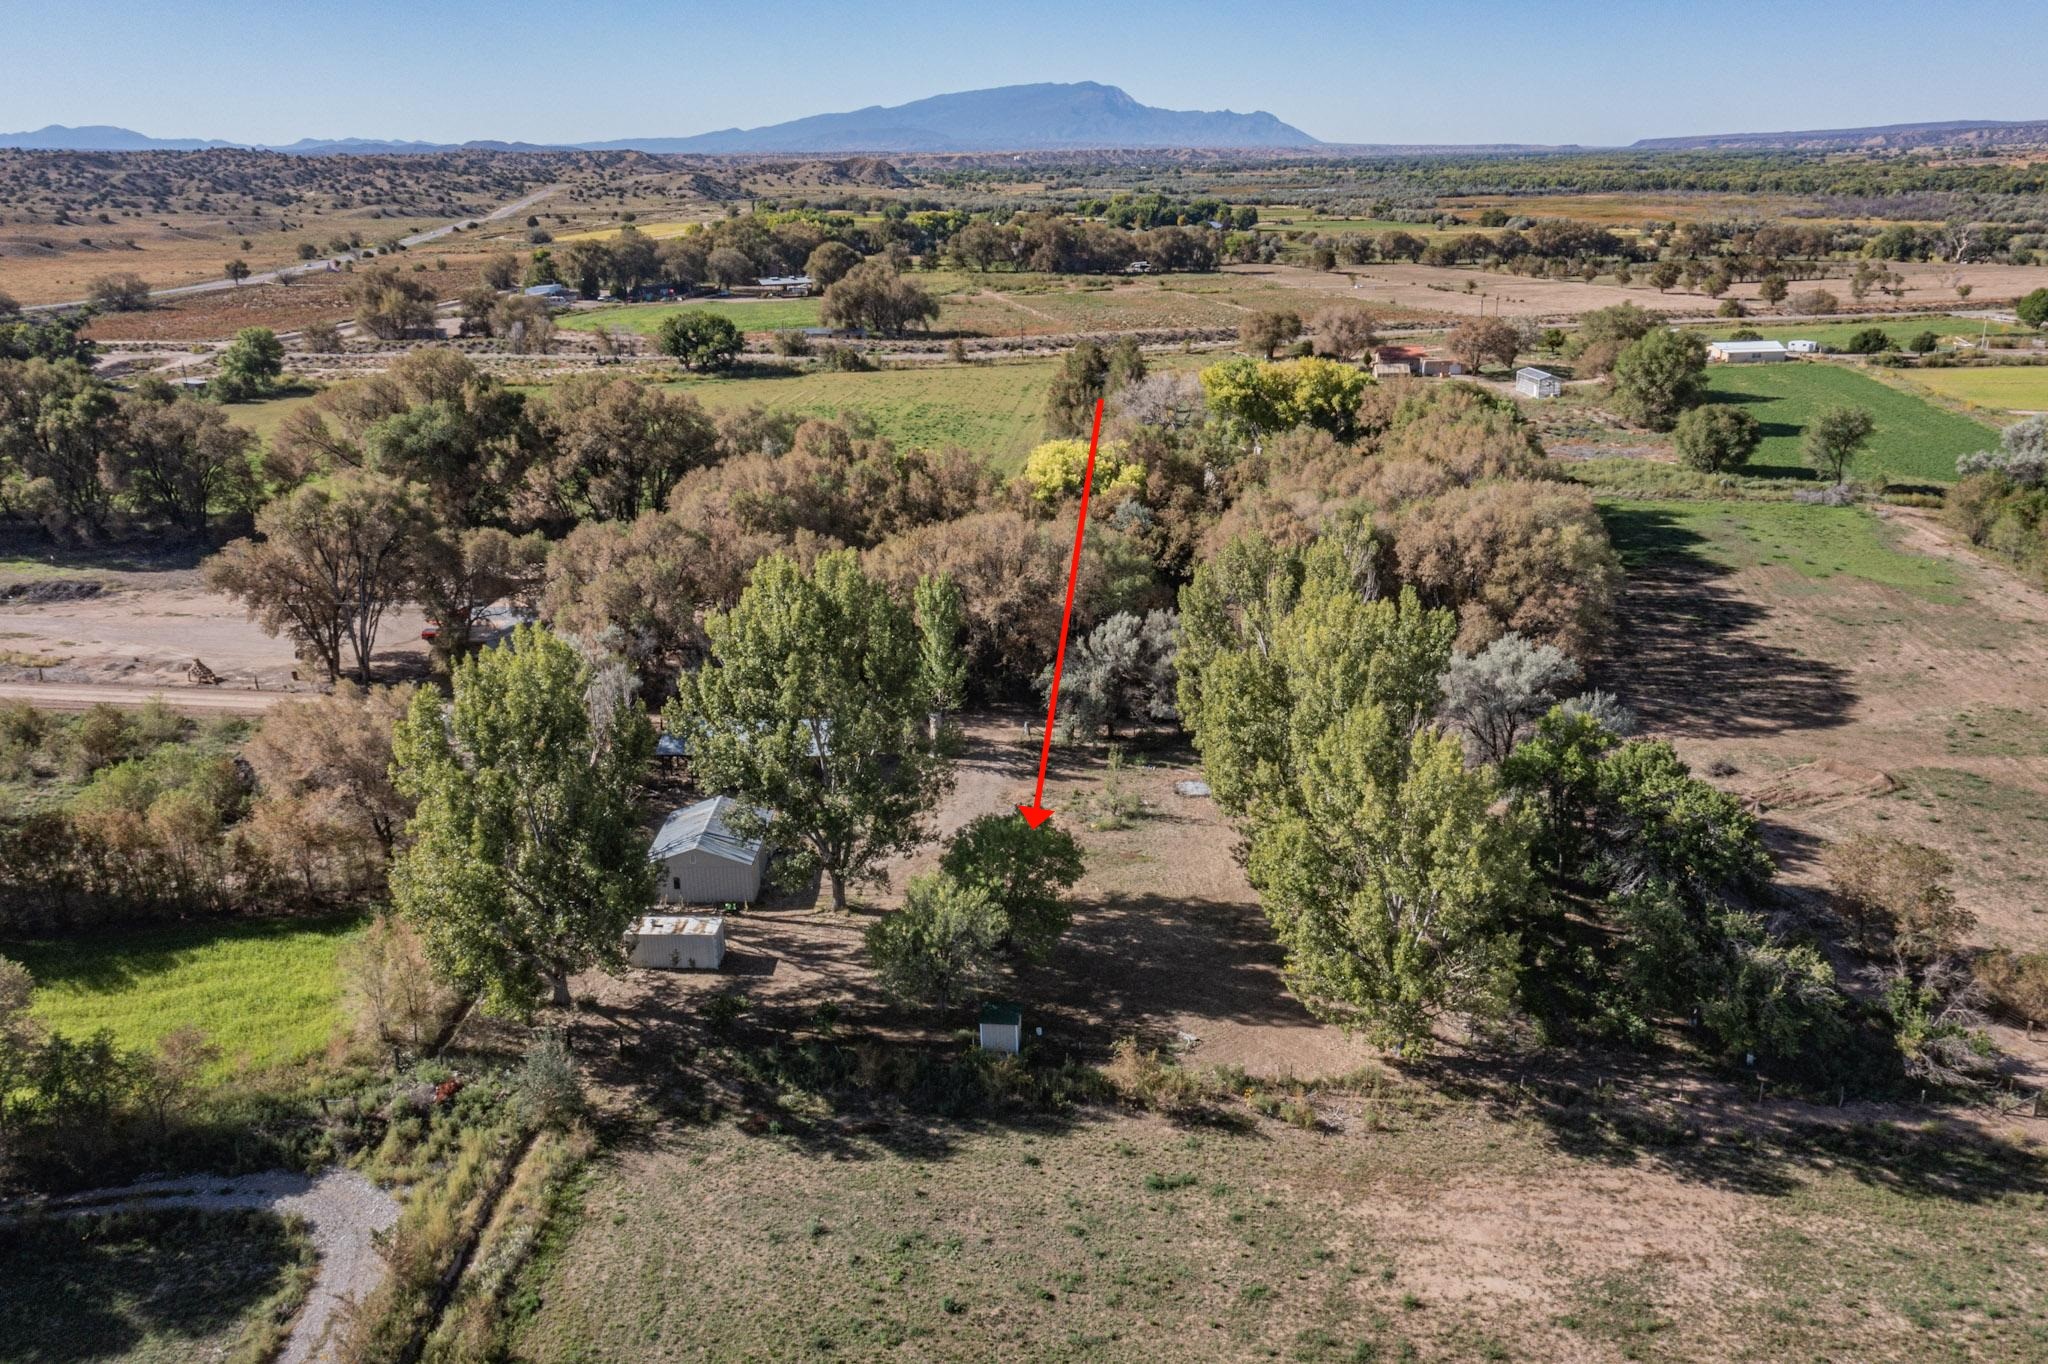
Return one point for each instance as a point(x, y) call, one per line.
point(1168, 945)
point(141, 625)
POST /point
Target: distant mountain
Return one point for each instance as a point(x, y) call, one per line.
point(1008, 118)
point(1012, 118)
point(100, 138)
point(1886, 137)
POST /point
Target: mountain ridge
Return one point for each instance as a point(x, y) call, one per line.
point(1079, 116)
point(1041, 117)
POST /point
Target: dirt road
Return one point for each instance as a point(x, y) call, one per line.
point(324, 263)
point(195, 700)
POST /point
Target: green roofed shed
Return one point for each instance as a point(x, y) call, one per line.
point(1002, 1027)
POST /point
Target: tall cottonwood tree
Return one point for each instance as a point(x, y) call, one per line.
point(329, 559)
point(525, 862)
point(616, 447)
point(179, 458)
point(1379, 860)
point(813, 707)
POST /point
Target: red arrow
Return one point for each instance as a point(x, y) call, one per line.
point(1035, 813)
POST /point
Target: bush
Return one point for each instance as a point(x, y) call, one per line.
point(2016, 984)
point(942, 944)
point(1716, 438)
point(843, 360)
point(548, 1092)
point(1870, 341)
point(1659, 377)
point(1026, 873)
point(698, 339)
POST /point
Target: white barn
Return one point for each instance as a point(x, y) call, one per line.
point(678, 942)
point(700, 861)
point(1531, 382)
point(1747, 352)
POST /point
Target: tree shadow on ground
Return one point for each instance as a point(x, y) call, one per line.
point(1135, 965)
point(1681, 657)
point(139, 554)
point(1653, 1110)
point(100, 1286)
point(91, 962)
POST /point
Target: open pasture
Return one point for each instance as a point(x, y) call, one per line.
point(645, 319)
point(1855, 674)
point(994, 409)
point(2002, 388)
point(266, 992)
point(1915, 441)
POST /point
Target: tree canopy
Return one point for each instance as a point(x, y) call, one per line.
point(525, 862)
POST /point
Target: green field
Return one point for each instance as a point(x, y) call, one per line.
point(150, 1287)
point(265, 992)
point(644, 319)
point(266, 416)
point(997, 410)
point(1835, 335)
point(1916, 442)
point(1813, 541)
point(2005, 388)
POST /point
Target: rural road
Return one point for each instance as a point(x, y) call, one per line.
point(193, 700)
point(322, 264)
point(344, 1210)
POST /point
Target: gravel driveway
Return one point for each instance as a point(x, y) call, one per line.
point(343, 1209)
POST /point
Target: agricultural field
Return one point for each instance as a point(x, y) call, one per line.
point(266, 992)
point(997, 409)
point(1855, 672)
point(1394, 1229)
point(2018, 389)
point(1004, 303)
point(645, 319)
point(150, 1287)
point(1915, 442)
point(1836, 335)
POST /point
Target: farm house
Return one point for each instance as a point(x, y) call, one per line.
point(678, 942)
point(1531, 382)
point(1747, 352)
point(702, 862)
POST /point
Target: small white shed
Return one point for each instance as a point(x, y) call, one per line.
point(1002, 1028)
point(678, 942)
point(1803, 347)
point(700, 861)
point(1531, 382)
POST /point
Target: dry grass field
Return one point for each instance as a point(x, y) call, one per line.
point(1443, 290)
point(1851, 674)
point(1487, 1206)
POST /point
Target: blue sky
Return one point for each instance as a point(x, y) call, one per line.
point(1416, 71)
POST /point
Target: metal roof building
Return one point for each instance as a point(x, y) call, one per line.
point(1747, 352)
point(701, 861)
point(678, 942)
